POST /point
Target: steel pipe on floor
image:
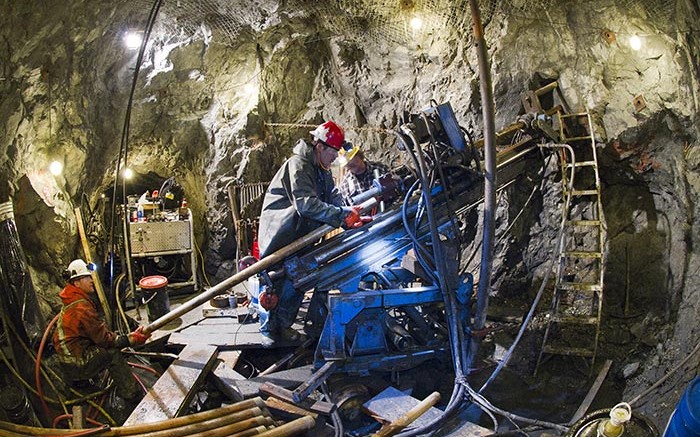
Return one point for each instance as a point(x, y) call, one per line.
point(241, 420)
point(8, 427)
point(296, 426)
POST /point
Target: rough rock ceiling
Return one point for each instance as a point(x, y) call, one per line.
point(378, 20)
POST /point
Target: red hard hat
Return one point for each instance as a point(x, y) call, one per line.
point(329, 134)
point(268, 300)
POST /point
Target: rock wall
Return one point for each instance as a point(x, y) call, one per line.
point(215, 105)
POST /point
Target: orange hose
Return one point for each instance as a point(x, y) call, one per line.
point(89, 420)
point(37, 366)
point(144, 367)
point(143, 386)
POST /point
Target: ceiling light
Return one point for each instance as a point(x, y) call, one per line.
point(635, 42)
point(56, 168)
point(132, 39)
point(416, 23)
point(249, 89)
point(128, 173)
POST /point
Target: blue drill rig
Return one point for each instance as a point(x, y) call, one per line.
point(390, 295)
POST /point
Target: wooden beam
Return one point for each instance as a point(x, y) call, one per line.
point(319, 407)
point(288, 408)
point(172, 393)
point(95, 277)
point(592, 392)
point(225, 380)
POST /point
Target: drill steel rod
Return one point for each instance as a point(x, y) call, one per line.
point(244, 274)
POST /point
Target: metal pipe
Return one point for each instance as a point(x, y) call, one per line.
point(294, 427)
point(246, 405)
point(489, 221)
point(505, 131)
point(240, 427)
point(250, 432)
point(244, 274)
point(161, 253)
point(243, 419)
point(253, 403)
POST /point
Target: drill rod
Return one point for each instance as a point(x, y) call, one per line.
point(244, 274)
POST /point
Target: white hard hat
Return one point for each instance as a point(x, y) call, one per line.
point(78, 268)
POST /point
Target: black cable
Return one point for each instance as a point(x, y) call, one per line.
point(457, 345)
point(153, 13)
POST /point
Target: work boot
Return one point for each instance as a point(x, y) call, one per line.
point(267, 341)
point(289, 334)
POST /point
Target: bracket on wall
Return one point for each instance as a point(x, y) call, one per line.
point(609, 36)
point(639, 103)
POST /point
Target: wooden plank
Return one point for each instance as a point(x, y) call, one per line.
point(289, 379)
point(95, 277)
point(225, 378)
point(186, 320)
point(390, 404)
point(231, 335)
point(468, 429)
point(288, 408)
point(592, 392)
point(171, 394)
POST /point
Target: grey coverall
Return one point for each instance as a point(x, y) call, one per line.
point(301, 197)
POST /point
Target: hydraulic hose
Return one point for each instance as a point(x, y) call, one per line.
point(37, 366)
point(441, 273)
point(489, 223)
point(456, 339)
point(540, 292)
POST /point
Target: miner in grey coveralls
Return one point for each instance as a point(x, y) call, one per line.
point(301, 197)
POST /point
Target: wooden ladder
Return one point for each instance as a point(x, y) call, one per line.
point(573, 321)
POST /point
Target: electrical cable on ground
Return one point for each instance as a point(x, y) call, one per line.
point(666, 376)
point(559, 241)
point(485, 403)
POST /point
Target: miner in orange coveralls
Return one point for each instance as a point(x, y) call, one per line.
point(84, 345)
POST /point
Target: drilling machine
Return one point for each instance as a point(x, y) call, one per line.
point(389, 295)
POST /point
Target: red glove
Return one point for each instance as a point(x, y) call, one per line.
point(353, 220)
point(138, 337)
point(366, 219)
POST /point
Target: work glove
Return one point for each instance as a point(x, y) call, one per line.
point(353, 219)
point(137, 337)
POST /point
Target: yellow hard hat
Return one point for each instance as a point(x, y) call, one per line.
point(347, 152)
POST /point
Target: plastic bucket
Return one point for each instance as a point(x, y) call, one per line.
point(685, 420)
point(155, 293)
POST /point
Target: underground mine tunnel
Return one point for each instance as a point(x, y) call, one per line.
point(405, 217)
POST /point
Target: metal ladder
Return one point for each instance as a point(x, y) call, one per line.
point(573, 321)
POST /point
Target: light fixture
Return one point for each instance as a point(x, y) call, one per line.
point(249, 89)
point(416, 23)
point(635, 42)
point(128, 173)
point(132, 39)
point(56, 168)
